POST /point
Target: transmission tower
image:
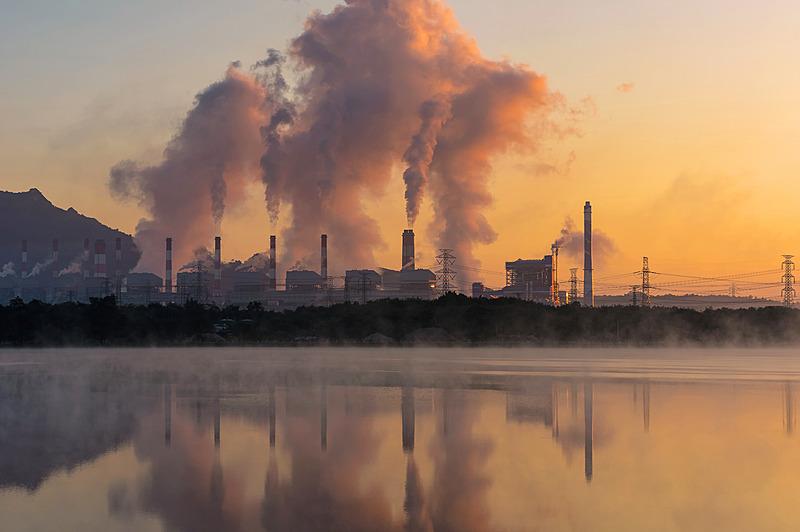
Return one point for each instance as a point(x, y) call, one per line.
point(645, 282)
point(788, 291)
point(446, 274)
point(634, 295)
point(573, 285)
point(733, 289)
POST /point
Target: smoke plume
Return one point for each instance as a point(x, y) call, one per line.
point(570, 241)
point(205, 168)
point(383, 79)
point(39, 267)
point(379, 83)
point(75, 265)
point(7, 270)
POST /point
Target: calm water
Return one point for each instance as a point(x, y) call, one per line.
point(391, 440)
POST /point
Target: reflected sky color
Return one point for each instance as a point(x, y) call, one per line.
point(372, 441)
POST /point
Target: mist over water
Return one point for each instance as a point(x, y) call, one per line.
point(392, 439)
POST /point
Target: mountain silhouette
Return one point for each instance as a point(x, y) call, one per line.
point(32, 217)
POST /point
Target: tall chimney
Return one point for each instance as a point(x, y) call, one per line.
point(273, 269)
point(588, 292)
point(87, 271)
point(408, 250)
point(54, 257)
point(24, 268)
point(118, 263)
point(323, 258)
point(217, 266)
point(554, 277)
point(100, 271)
point(168, 268)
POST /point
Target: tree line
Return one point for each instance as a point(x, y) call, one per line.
point(450, 320)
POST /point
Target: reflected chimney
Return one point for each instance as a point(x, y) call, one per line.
point(588, 431)
point(408, 414)
point(167, 415)
point(271, 416)
point(323, 419)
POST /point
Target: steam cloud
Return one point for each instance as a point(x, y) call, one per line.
point(206, 165)
point(378, 83)
point(383, 79)
point(7, 270)
point(570, 241)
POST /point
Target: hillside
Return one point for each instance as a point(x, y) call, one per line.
point(32, 217)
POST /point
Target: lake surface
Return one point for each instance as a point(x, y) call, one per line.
point(398, 439)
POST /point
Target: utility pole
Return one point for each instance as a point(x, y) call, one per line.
point(573, 285)
point(788, 291)
point(634, 294)
point(645, 282)
point(446, 274)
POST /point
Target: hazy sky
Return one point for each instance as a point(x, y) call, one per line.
point(691, 155)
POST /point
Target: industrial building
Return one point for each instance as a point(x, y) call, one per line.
point(98, 273)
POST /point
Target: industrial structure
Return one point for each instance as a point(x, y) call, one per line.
point(45, 273)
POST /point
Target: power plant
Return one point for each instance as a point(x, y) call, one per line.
point(212, 280)
point(49, 273)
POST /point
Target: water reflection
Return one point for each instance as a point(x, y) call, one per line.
point(268, 444)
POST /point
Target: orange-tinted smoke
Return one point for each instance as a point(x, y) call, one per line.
point(205, 169)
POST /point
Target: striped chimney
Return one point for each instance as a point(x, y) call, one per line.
point(118, 259)
point(273, 269)
point(100, 269)
point(323, 259)
point(168, 268)
point(54, 257)
point(24, 268)
point(87, 271)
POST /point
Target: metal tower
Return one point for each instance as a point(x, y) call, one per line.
point(446, 274)
point(573, 285)
point(635, 295)
point(554, 296)
point(788, 291)
point(645, 282)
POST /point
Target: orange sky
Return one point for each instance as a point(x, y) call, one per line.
point(693, 162)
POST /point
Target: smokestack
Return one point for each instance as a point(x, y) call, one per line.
point(100, 271)
point(118, 262)
point(217, 266)
point(554, 277)
point(323, 268)
point(408, 250)
point(54, 257)
point(24, 269)
point(168, 268)
point(87, 272)
point(273, 257)
point(588, 292)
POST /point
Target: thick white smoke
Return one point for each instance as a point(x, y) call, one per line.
point(206, 165)
point(381, 86)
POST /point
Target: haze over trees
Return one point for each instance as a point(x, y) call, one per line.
point(450, 320)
